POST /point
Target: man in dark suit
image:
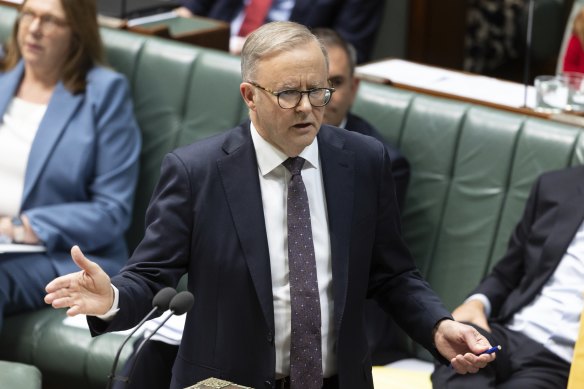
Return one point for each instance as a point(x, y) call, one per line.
point(220, 214)
point(357, 21)
point(153, 367)
point(532, 300)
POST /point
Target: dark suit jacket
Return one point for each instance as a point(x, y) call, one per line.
point(357, 21)
point(553, 214)
point(400, 167)
point(206, 218)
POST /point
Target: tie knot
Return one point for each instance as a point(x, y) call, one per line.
point(294, 165)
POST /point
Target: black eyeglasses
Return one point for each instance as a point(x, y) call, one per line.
point(290, 98)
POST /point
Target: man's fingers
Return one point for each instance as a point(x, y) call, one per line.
point(62, 282)
point(470, 363)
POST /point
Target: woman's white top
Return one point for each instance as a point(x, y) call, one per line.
point(18, 128)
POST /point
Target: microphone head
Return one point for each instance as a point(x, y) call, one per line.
point(163, 298)
point(181, 303)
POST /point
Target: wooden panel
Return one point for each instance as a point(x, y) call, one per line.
point(436, 32)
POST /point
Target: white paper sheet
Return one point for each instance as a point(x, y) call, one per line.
point(472, 86)
point(20, 248)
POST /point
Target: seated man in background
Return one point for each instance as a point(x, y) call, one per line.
point(382, 333)
point(532, 300)
point(357, 21)
point(342, 62)
point(157, 356)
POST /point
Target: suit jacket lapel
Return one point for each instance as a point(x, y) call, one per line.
point(338, 171)
point(569, 218)
point(239, 174)
point(61, 108)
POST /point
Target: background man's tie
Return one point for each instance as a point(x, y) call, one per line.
point(305, 342)
point(576, 380)
point(255, 15)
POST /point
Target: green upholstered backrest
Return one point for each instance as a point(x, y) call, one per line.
point(18, 375)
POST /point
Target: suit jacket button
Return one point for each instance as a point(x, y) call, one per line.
point(270, 337)
point(269, 384)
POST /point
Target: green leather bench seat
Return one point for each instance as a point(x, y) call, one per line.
point(471, 171)
point(19, 376)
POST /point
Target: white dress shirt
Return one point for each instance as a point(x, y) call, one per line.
point(274, 180)
point(18, 129)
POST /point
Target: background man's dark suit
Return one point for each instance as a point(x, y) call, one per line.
point(400, 167)
point(357, 21)
point(554, 211)
point(206, 218)
point(553, 214)
point(382, 332)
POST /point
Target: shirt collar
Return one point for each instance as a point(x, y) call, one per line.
point(269, 157)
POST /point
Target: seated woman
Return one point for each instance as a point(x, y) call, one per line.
point(69, 148)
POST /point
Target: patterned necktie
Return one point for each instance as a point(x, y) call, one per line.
point(305, 342)
point(255, 15)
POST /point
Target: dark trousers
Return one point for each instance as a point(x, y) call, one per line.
point(23, 278)
point(522, 363)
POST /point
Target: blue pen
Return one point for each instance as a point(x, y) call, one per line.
point(491, 350)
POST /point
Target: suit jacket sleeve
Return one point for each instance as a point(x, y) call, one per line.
point(161, 257)
point(98, 212)
point(395, 281)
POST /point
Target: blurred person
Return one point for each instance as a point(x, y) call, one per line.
point(69, 149)
point(574, 56)
point(284, 226)
point(384, 336)
point(342, 62)
point(531, 301)
point(357, 21)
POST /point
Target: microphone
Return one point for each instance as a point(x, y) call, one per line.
point(160, 302)
point(179, 305)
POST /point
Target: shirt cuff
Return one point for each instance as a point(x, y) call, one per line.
point(109, 315)
point(483, 299)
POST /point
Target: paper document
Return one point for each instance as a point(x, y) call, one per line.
point(467, 85)
point(21, 248)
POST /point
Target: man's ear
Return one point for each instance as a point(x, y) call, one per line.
point(247, 92)
point(355, 85)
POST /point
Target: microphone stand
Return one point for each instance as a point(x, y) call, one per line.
point(528, 50)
